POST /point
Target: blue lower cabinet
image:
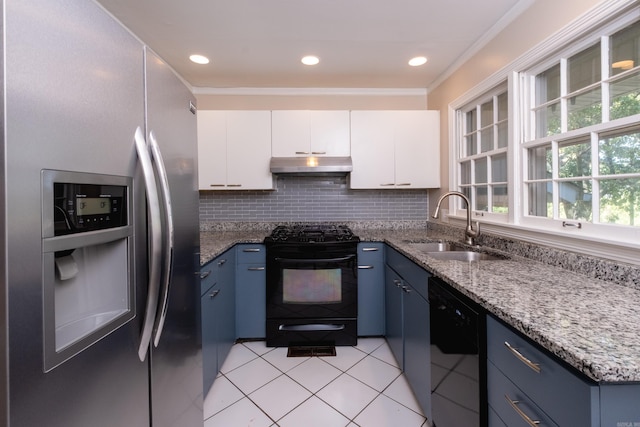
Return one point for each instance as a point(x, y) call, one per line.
point(371, 289)
point(251, 294)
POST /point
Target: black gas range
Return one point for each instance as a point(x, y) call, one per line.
point(312, 285)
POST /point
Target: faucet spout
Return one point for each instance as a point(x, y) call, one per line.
point(470, 233)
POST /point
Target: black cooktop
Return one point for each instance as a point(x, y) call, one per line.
point(312, 234)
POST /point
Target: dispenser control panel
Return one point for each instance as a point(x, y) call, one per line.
point(87, 207)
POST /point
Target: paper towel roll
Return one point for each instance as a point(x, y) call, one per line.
point(66, 267)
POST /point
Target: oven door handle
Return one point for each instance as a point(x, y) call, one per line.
point(315, 260)
point(311, 327)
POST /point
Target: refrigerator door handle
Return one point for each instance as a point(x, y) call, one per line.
point(168, 232)
point(155, 242)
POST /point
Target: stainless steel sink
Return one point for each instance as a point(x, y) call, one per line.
point(468, 256)
point(434, 246)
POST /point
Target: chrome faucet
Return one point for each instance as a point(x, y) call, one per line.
point(469, 233)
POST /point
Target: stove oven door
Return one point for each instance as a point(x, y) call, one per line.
point(312, 295)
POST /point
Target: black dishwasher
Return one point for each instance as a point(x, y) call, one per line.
point(458, 358)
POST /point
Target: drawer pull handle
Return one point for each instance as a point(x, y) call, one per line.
point(222, 262)
point(370, 249)
point(516, 353)
point(204, 274)
point(525, 417)
point(214, 293)
point(255, 268)
point(251, 250)
point(365, 267)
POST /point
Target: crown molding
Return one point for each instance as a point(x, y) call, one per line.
point(264, 91)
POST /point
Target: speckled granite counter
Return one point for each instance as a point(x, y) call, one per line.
point(592, 324)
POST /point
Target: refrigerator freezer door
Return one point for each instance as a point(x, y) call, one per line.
point(176, 368)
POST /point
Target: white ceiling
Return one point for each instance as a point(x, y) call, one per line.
point(360, 43)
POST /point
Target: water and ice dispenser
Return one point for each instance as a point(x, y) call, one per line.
point(87, 258)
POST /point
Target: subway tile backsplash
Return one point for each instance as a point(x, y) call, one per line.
point(313, 198)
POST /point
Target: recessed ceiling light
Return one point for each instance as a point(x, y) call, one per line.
point(199, 59)
point(310, 60)
point(417, 61)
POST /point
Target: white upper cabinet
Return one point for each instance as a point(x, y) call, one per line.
point(310, 133)
point(395, 149)
point(234, 150)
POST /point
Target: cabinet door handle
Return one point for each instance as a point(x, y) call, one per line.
point(255, 268)
point(214, 293)
point(251, 250)
point(516, 353)
point(404, 184)
point(204, 274)
point(406, 289)
point(370, 249)
point(222, 262)
point(234, 185)
point(302, 152)
point(216, 185)
point(397, 282)
point(387, 184)
point(525, 417)
point(318, 152)
point(365, 267)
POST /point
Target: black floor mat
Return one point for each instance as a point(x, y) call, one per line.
point(309, 351)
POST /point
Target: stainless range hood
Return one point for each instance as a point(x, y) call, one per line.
point(311, 165)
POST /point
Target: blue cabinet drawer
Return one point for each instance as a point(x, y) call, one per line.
point(409, 270)
point(568, 399)
point(251, 253)
point(370, 254)
point(513, 407)
point(208, 277)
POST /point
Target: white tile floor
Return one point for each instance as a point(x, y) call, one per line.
point(361, 386)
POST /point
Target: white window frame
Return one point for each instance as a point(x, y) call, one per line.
point(578, 35)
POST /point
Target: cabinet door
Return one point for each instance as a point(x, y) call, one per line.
point(372, 150)
point(212, 149)
point(371, 289)
point(290, 133)
point(251, 297)
point(417, 350)
point(249, 150)
point(329, 133)
point(394, 315)
point(210, 308)
point(417, 149)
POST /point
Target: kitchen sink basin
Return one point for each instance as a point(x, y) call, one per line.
point(436, 246)
point(468, 256)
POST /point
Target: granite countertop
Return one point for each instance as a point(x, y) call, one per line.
point(591, 324)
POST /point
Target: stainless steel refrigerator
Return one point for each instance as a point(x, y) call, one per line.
point(99, 291)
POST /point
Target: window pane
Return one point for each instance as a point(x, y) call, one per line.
point(574, 160)
point(575, 200)
point(486, 117)
point(619, 154)
point(584, 68)
point(503, 107)
point(503, 134)
point(499, 168)
point(481, 171)
point(471, 144)
point(540, 162)
point(482, 199)
point(467, 192)
point(465, 173)
point(500, 200)
point(486, 142)
point(585, 109)
point(620, 201)
point(471, 121)
point(548, 120)
point(625, 49)
point(548, 85)
point(540, 199)
point(625, 97)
